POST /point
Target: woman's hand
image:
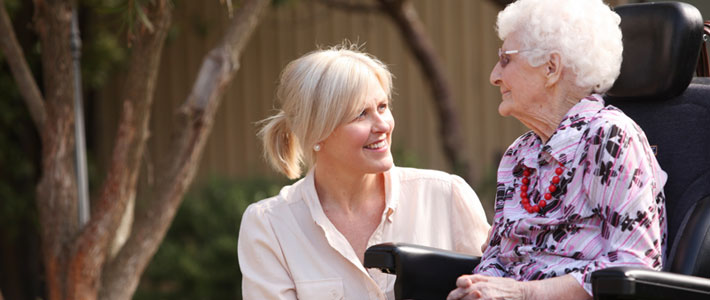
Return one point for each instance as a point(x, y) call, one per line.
point(486, 287)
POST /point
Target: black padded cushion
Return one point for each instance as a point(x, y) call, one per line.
point(661, 48)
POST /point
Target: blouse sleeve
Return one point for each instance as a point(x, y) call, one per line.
point(469, 224)
point(264, 271)
point(624, 186)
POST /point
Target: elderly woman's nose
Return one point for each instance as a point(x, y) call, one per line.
point(495, 75)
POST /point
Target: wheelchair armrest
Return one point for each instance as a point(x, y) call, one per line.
point(422, 272)
point(639, 283)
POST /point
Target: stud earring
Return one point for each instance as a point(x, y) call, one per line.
point(316, 147)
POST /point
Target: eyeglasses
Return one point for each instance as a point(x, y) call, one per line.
point(503, 57)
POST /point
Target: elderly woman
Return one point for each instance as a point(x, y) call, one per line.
point(582, 190)
point(309, 241)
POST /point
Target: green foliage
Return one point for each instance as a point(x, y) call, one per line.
point(405, 158)
point(198, 258)
point(19, 151)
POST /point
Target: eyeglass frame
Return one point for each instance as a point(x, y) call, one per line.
point(507, 52)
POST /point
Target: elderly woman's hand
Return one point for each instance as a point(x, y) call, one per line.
point(486, 287)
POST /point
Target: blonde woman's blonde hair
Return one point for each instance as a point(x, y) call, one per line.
point(317, 92)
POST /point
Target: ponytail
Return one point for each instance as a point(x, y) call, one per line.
point(281, 146)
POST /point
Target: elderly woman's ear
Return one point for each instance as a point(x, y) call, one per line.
point(553, 69)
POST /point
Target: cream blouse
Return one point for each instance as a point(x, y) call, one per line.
point(289, 249)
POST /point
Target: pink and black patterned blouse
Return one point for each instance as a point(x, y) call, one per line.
point(607, 210)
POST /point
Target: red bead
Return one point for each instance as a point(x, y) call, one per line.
point(561, 165)
point(556, 179)
point(558, 171)
point(548, 196)
point(536, 208)
point(526, 181)
point(523, 188)
point(552, 188)
point(542, 203)
point(529, 209)
point(525, 201)
point(526, 173)
point(523, 194)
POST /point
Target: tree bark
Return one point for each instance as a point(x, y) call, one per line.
point(20, 70)
point(122, 274)
point(410, 26)
point(56, 191)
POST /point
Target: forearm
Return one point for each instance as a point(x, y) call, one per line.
point(563, 287)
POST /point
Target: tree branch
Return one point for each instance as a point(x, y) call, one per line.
point(91, 248)
point(20, 70)
point(351, 7)
point(194, 126)
point(119, 188)
point(407, 21)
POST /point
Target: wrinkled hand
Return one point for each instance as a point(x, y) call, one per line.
point(486, 287)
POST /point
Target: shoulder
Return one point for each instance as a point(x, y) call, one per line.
point(414, 175)
point(432, 182)
point(611, 120)
point(262, 210)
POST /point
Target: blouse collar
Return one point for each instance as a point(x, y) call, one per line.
point(563, 143)
point(310, 196)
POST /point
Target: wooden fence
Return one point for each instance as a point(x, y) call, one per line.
point(462, 30)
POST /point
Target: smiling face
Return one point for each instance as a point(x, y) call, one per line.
point(362, 145)
point(522, 86)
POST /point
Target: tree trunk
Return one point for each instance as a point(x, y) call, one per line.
point(405, 17)
point(56, 191)
point(122, 274)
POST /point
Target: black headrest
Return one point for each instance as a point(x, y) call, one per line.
point(661, 47)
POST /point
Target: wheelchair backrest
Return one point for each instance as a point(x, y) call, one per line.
point(656, 88)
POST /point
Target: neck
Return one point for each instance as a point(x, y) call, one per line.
point(348, 192)
point(545, 120)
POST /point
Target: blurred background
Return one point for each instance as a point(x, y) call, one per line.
point(198, 258)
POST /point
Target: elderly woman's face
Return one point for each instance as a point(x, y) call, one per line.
point(362, 145)
point(521, 85)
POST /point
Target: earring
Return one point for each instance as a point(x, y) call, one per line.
point(316, 147)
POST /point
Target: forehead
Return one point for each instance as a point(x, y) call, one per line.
point(511, 42)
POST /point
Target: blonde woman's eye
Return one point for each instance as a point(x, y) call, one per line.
point(362, 114)
point(382, 107)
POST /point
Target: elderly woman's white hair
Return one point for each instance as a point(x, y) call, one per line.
point(317, 92)
point(585, 33)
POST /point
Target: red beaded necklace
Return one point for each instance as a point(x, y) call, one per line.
point(525, 201)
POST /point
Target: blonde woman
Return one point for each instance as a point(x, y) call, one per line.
point(308, 242)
